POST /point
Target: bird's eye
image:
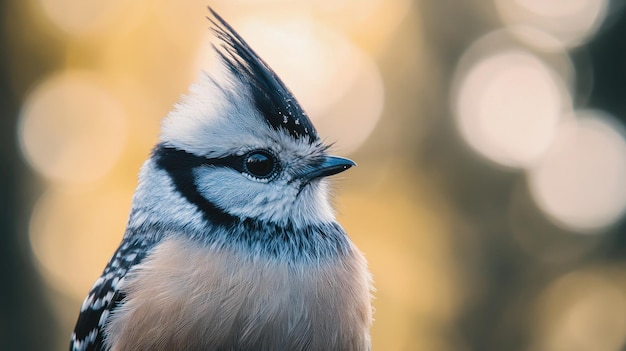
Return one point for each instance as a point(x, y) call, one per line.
point(260, 164)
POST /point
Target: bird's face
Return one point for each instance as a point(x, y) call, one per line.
point(239, 147)
point(241, 164)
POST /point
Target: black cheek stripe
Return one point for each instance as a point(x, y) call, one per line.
point(179, 164)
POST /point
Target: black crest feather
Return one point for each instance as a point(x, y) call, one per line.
point(271, 96)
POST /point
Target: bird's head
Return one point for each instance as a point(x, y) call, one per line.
point(240, 146)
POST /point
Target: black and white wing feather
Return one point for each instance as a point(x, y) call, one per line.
point(105, 296)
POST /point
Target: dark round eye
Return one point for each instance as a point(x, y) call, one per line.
point(260, 164)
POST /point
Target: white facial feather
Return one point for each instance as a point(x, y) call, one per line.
point(217, 119)
point(278, 201)
point(157, 198)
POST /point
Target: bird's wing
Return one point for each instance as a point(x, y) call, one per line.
point(105, 296)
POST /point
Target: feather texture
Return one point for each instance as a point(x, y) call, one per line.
point(217, 257)
point(256, 303)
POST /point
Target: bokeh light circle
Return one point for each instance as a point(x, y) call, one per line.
point(572, 22)
point(581, 181)
point(508, 105)
point(73, 233)
point(79, 17)
point(71, 129)
point(583, 310)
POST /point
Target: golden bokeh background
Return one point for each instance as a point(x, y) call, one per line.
point(491, 187)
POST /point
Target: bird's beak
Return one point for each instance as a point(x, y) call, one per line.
point(330, 165)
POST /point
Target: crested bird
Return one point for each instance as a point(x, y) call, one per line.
point(231, 242)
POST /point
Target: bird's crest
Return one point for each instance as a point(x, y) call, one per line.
point(270, 95)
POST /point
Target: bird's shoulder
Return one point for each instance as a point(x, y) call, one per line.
point(105, 295)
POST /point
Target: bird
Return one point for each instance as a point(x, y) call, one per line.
point(232, 242)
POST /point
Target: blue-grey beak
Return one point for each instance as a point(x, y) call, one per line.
point(331, 165)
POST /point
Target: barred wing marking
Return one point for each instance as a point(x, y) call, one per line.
point(105, 296)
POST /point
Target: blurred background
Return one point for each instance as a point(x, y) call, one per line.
point(489, 135)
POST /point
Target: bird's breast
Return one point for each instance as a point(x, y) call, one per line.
point(187, 296)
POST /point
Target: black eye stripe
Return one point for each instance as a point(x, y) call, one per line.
point(171, 158)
